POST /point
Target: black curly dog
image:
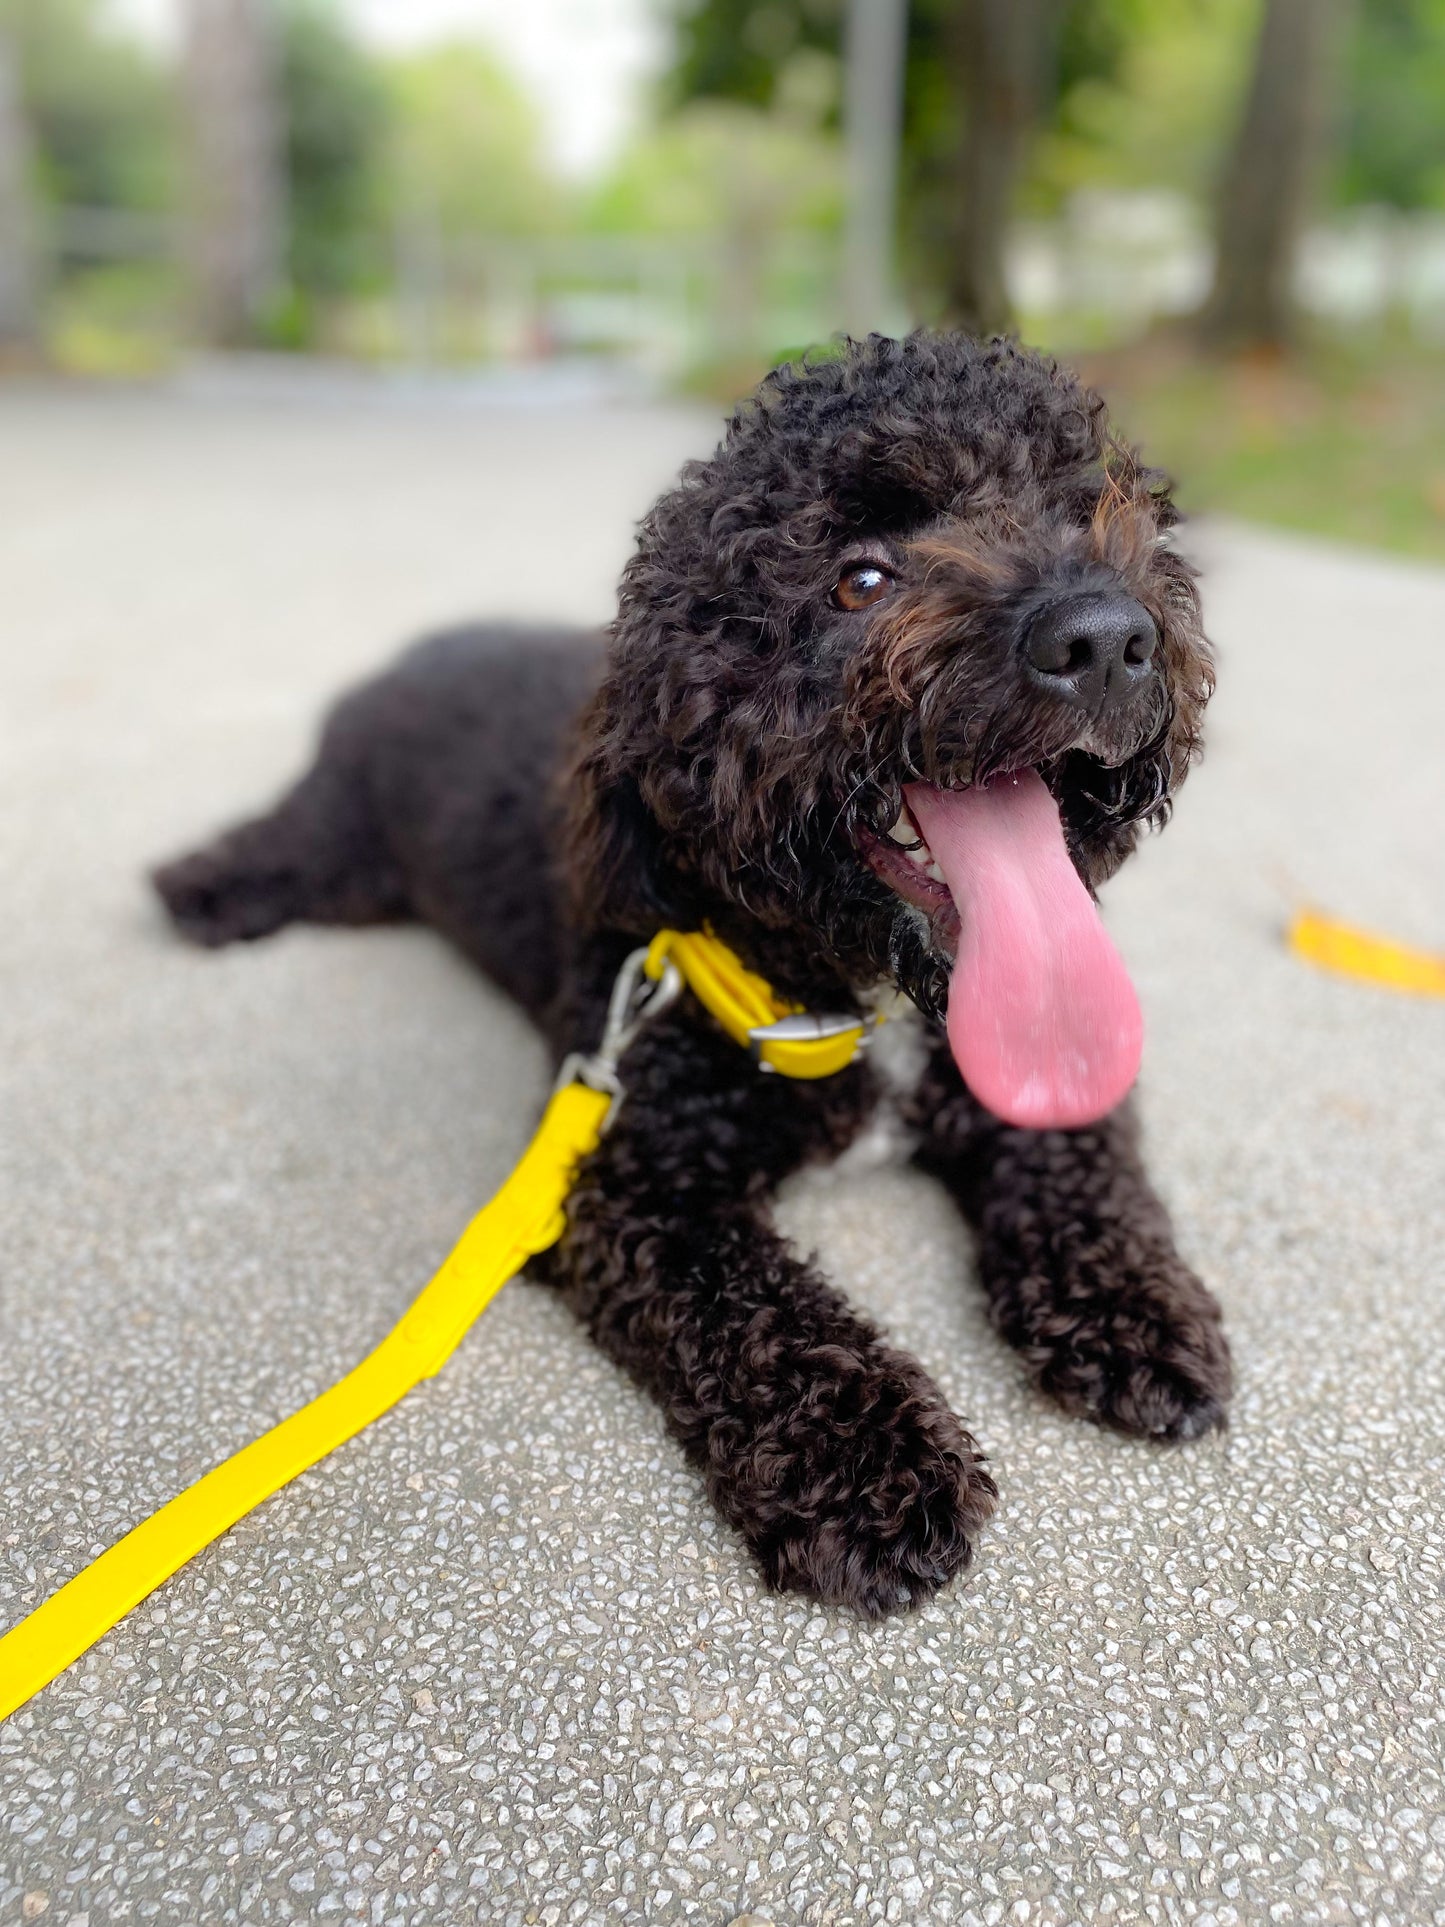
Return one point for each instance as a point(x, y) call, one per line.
point(919, 561)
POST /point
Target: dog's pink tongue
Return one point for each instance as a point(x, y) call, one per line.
point(1043, 1021)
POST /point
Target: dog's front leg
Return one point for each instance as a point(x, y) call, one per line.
point(1077, 1256)
point(834, 1455)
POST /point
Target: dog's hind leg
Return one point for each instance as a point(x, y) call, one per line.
point(833, 1454)
point(315, 858)
point(1077, 1256)
point(432, 797)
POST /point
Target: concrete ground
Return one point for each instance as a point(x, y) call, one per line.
point(497, 1660)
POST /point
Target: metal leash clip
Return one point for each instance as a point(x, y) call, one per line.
point(809, 1027)
point(636, 999)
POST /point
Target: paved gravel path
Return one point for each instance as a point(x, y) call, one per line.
point(496, 1661)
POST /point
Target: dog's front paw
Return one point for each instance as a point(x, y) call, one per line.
point(1135, 1342)
point(861, 1487)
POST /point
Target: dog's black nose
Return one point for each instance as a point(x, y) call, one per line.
point(1091, 649)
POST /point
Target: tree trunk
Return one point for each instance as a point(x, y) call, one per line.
point(236, 226)
point(873, 124)
point(999, 54)
point(17, 263)
point(1270, 175)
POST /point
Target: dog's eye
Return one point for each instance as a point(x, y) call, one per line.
point(861, 586)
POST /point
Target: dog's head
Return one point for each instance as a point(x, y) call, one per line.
point(911, 642)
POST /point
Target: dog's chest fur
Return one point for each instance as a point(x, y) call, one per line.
point(897, 1057)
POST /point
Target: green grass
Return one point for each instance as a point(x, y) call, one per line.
point(1344, 440)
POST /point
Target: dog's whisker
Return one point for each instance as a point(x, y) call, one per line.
point(871, 776)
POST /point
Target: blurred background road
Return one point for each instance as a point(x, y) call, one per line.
point(322, 321)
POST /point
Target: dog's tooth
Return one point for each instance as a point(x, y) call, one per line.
point(934, 871)
point(905, 830)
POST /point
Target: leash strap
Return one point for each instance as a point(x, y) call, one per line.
point(1373, 960)
point(524, 1218)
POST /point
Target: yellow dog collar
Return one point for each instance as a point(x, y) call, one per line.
point(780, 1036)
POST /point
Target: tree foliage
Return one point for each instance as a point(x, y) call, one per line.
point(465, 154)
point(100, 108)
point(749, 51)
point(720, 167)
point(1134, 93)
point(335, 113)
point(1393, 121)
point(741, 49)
point(442, 137)
point(1153, 108)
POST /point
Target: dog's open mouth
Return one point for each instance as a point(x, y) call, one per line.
point(1043, 1021)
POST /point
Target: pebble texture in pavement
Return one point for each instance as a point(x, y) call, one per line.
point(497, 1660)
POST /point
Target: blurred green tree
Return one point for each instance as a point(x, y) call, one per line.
point(17, 267)
point(1392, 146)
point(744, 183)
point(1270, 178)
point(1363, 80)
point(982, 78)
point(719, 167)
point(1146, 103)
point(466, 154)
point(99, 106)
point(337, 120)
point(741, 49)
point(1118, 93)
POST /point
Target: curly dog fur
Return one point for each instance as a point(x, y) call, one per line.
point(733, 753)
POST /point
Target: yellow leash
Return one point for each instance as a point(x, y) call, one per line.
point(525, 1217)
point(1348, 952)
point(520, 1220)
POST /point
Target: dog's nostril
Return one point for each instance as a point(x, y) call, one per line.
point(1140, 646)
point(1088, 648)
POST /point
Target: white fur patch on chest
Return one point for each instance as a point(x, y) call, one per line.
point(898, 1056)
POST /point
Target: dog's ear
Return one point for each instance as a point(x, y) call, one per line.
point(617, 873)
